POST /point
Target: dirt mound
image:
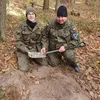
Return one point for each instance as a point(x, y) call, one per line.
point(46, 83)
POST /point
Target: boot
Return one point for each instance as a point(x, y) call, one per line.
point(74, 65)
point(76, 68)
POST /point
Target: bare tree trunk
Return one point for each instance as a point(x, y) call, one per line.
point(2, 19)
point(57, 4)
point(46, 5)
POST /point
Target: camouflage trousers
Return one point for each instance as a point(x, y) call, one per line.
point(24, 60)
point(54, 59)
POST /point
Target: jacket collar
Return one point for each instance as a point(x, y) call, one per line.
point(35, 28)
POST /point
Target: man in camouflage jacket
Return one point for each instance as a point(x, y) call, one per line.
point(28, 40)
point(61, 34)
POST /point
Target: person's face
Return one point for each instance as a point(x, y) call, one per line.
point(61, 20)
point(31, 16)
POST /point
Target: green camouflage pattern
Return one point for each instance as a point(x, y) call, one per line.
point(28, 39)
point(59, 35)
point(55, 36)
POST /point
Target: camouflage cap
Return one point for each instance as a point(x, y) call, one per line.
point(30, 9)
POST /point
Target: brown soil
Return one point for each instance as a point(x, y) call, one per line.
point(44, 83)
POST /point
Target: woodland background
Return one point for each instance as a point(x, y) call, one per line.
point(85, 14)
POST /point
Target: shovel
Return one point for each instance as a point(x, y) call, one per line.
point(43, 55)
point(40, 54)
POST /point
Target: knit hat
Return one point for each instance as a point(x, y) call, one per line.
point(62, 11)
point(30, 9)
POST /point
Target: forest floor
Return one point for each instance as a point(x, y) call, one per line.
point(52, 83)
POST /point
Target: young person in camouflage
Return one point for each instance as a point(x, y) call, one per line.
point(28, 40)
point(62, 35)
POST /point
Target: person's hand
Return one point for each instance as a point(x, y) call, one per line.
point(62, 49)
point(43, 50)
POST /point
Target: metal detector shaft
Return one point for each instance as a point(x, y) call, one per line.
point(42, 55)
point(51, 51)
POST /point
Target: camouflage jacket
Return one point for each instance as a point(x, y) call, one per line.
point(28, 39)
point(60, 35)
